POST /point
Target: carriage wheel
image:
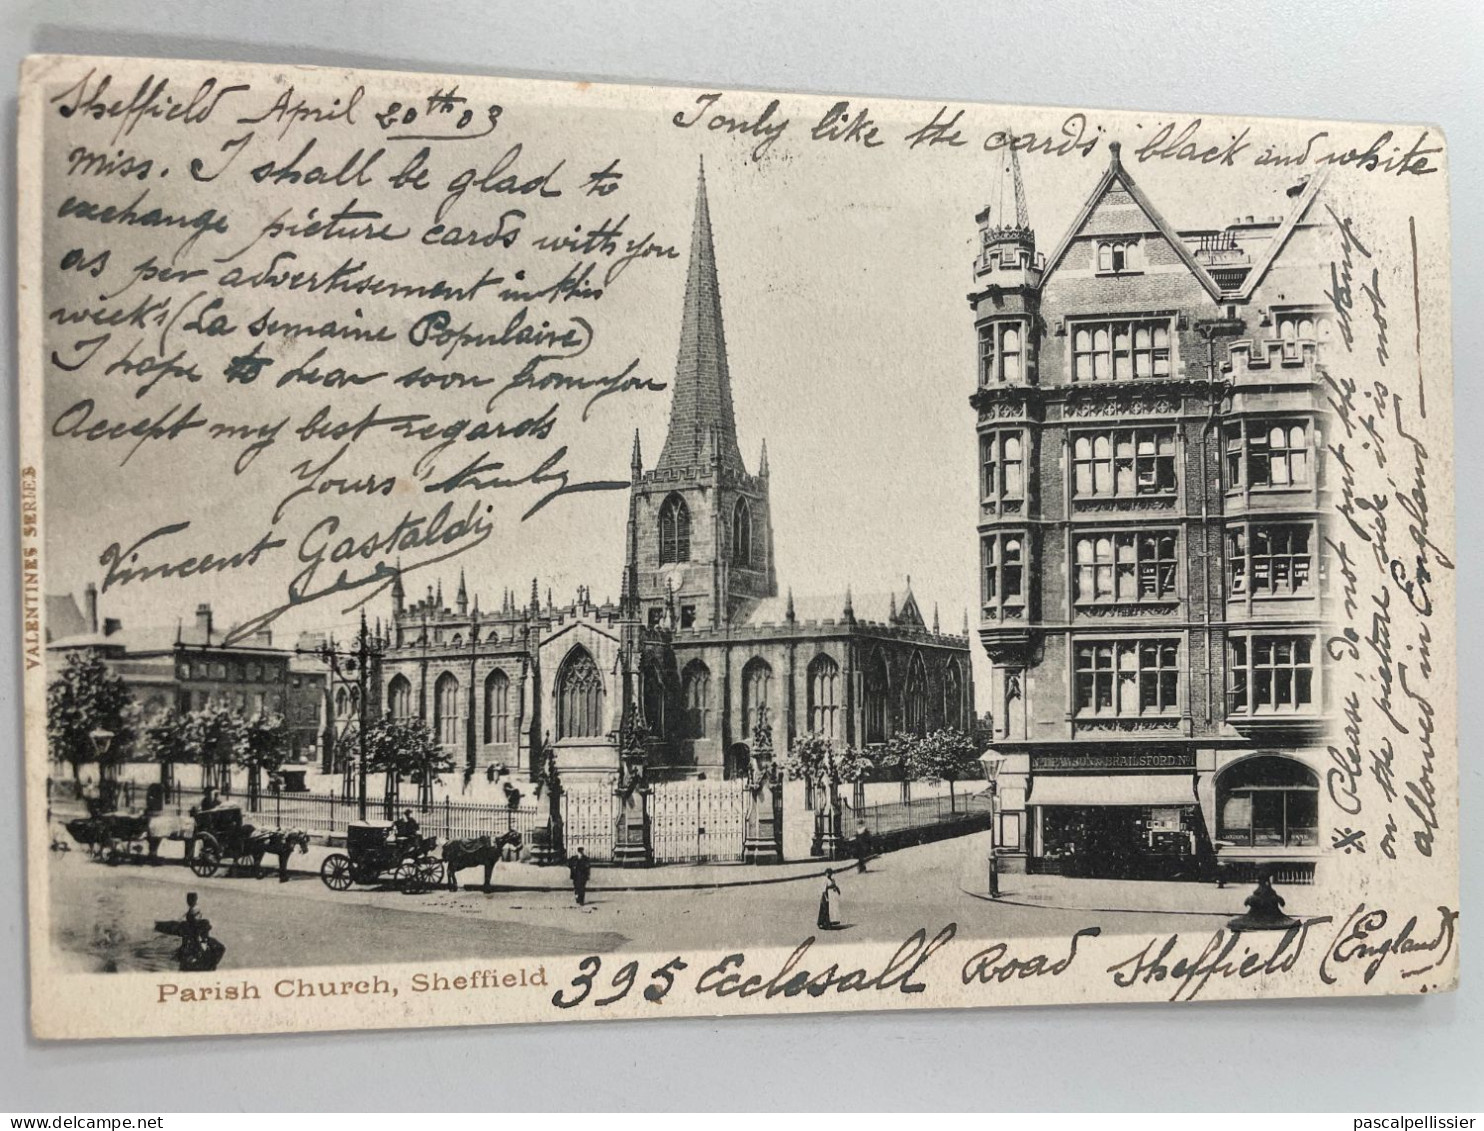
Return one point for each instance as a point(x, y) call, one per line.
point(335, 872)
point(408, 877)
point(247, 864)
point(431, 873)
point(208, 857)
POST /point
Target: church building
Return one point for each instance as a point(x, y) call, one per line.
point(702, 645)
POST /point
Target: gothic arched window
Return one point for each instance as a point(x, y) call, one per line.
point(674, 531)
point(742, 534)
point(579, 696)
point(696, 692)
point(757, 688)
point(399, 698)
point(953, 696)
point(446, 709)
point(877, 696)
point(914, 699)
point(824, 696)
point(497, 707)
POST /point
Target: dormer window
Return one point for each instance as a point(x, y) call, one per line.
point(1118, 257)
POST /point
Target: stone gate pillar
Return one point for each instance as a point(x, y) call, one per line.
point(763, 838)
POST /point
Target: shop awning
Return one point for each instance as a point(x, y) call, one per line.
point(1113, 789)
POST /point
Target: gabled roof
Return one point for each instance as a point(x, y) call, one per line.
point(63, 617)
point(1280, 237)
point(1116, 172)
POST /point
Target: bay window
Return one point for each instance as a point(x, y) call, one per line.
point(1271, 674)
point(1002, 456)
point(1270, 559)
point(1004, 570)
point(1267, 454)
point(1001, 353)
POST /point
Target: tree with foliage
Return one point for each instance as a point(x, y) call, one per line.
point(168, 741)
point(85, 697)
point(265, 741)
point(218, 736)
point(819, 762)
point(405, 749)
point(896, 754)
point(823, 765)
point(945, 755)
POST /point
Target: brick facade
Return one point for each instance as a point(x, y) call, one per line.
point(1115, 376)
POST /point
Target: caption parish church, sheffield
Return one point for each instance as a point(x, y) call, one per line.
point(700, 646)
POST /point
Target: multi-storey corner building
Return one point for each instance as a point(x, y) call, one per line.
point(1152, 492)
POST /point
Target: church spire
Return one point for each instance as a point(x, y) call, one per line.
point(701, 411)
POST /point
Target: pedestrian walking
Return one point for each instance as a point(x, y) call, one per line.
point(829, 903)
point(580, 868)
point(863, 844)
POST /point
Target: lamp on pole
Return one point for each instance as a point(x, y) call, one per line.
point(107, 774)
point(102, 740)
point(992, 763)
point(354, 669)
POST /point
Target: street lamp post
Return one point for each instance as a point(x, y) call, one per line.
point(345, 668)
point(992, 763)
point(107, 773)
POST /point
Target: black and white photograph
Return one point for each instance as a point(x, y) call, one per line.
point(499, 550)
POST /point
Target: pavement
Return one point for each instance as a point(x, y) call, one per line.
point(1060, 893)
point(1066, 893)
point(526, 877)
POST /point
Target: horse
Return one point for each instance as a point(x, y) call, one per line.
point(485, 850)
point(275, 842)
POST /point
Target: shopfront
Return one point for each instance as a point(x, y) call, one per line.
point(1268, 802)
point(1117, 825)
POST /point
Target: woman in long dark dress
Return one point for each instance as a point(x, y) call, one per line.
point(829, 903)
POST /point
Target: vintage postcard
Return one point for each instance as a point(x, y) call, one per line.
point(505, 551)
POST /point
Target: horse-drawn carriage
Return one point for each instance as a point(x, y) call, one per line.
point(115, 837)
point(221, 836)
point(374, 854)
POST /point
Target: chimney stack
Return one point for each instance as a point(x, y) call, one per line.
point(90, 607)
point(203, 621)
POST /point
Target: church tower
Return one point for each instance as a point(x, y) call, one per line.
point(700, 526)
